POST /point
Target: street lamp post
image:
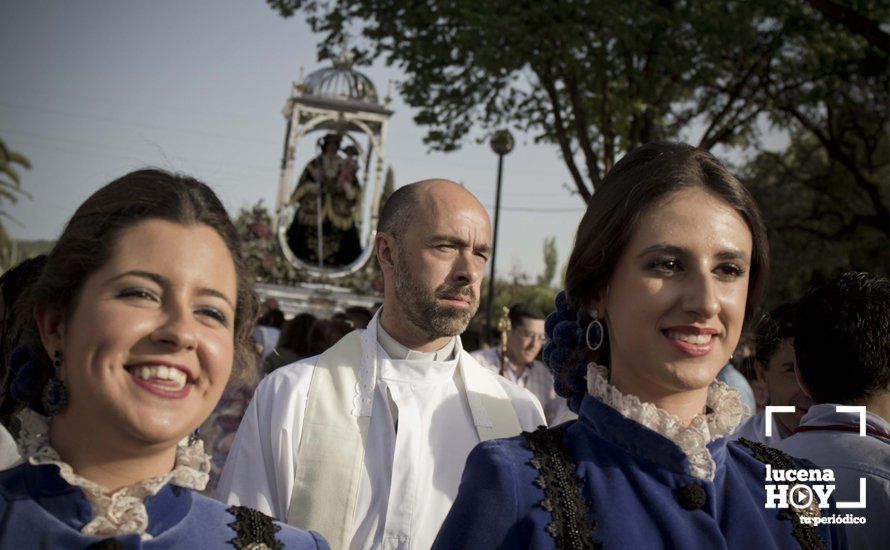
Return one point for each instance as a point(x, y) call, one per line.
point(501, 143)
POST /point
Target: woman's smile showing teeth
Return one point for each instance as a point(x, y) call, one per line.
point(692, 340)
point(161, 380)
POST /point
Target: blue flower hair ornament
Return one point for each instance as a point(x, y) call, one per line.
point(565, 336)
point(26, 384)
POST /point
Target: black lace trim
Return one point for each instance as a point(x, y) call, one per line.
point(253, 529)
point(805, 533)
point(570, 524)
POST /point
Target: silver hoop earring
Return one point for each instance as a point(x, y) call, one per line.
point(593, 336)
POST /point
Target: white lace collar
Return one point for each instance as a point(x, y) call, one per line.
point(121, 512)
point(727, 412)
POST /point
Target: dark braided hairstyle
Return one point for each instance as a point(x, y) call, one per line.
point(88, 242)
point(640, 180)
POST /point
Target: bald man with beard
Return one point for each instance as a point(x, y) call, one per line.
point(366, 443)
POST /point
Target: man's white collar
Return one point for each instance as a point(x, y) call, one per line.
point(397, 351)
point(362, 403)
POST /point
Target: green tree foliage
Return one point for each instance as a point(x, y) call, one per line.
point(598, 78)
point(825, 197)
point(519, 288)
point(10, 187)
point(550, 261)
point(829, 87)
point(820, 222)
point(389, 185)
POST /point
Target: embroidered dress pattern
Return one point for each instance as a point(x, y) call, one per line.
point(123, 511)
point(570, 525)
point(804, 533)
point(254, 530)
point(727, 413)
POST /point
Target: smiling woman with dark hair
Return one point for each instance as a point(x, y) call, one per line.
point(125, 342)
point(668, 265)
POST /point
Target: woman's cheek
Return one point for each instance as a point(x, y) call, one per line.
point(217, 355)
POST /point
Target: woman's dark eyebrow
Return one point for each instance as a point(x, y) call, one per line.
point(732, 254)
point(160, 280)
point(723, 255)
point(154, 277)
point(664, 247)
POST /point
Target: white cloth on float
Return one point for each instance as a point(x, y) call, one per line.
point(411, 465)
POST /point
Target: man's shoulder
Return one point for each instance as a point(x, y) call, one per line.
point(485, 357)
point(296, 376)
point(289, 376)
point(513, 390)
point(479, 361)
point(518, 395)
point(541, 370)
point(834, 449)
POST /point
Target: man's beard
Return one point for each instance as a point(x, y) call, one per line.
point(422, 308)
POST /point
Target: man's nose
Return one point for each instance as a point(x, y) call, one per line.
point(468, 268)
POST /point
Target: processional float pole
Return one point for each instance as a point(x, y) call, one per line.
point(504, 326)
point(501, 143)
point(319, 231)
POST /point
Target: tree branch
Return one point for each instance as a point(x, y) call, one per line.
point(862, 26)
point(882, 213)
point(562, 134)
point(581, 128)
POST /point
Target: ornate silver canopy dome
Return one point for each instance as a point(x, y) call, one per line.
point(344, 104)
point(340, 82)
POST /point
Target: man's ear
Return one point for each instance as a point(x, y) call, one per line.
point(385, 250)
point(51, 326)
point(800, 382)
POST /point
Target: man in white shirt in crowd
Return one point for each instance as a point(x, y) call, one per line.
point(842, 345)
point(774, 361)
point(524, 341)
point(366, 443)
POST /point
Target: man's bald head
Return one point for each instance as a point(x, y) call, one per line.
point(419, 198)
point(433, 242)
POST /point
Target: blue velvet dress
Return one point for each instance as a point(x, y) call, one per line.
point(619, 485)
point(39, 509)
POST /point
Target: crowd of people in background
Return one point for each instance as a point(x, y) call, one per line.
point(634, 414)
point(762, 370)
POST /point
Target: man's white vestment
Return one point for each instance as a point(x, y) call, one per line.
point(385, 435)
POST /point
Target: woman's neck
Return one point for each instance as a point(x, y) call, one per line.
point(685, 405)
point(100, 460)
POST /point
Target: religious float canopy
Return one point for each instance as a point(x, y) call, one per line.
point(327, 214)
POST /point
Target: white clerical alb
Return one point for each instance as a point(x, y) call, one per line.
point(409, 475)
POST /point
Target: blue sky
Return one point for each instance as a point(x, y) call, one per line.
point(93, 89)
